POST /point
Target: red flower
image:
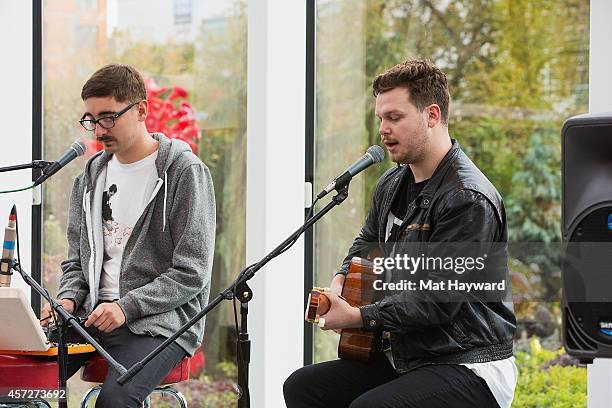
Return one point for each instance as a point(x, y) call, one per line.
point(152, 88)
point(177, 92)
point(176, 122)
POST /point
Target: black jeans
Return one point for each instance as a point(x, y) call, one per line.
point(343, 383)
point(128, 348)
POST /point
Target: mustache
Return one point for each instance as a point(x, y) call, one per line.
point(105, 139)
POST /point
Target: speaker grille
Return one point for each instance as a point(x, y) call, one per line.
point(575, 336)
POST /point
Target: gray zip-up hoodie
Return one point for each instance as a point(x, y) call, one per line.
point(167, 261)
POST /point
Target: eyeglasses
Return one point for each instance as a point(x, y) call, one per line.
point(106, 122)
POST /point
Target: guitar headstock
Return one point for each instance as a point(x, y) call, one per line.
point(318, 304)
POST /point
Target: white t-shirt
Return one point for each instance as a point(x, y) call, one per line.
point(127, 192)
point(501, 377)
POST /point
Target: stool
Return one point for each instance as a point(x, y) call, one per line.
point(96, 368)
point(25, 371)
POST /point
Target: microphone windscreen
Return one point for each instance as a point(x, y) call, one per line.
point(79, 147)
point(377, 153)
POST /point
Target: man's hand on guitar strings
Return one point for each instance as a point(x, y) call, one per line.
point(337, 283)
point(341, 315)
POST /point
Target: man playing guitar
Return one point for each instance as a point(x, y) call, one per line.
point(444, 352)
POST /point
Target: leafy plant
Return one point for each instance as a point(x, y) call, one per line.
point(172, 116)
point(548, 379)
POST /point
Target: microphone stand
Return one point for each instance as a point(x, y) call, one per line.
point(66, 319)
point(240, 290)
point(36, 164)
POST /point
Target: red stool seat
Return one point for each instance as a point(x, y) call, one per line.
point(25, 371)
point(96, 368)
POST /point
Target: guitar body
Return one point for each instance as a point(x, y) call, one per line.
point(355, 344)
point(358, 344)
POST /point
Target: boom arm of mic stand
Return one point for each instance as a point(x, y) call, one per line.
point(228, 293)
point(69, 319)
point(36, 164)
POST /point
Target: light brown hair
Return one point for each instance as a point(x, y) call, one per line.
point(122, 82)
point(425, 82)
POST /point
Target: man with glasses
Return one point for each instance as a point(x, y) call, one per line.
point(139, 265)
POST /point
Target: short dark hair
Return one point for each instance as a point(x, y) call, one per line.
point(425, 82)
point(122, 82)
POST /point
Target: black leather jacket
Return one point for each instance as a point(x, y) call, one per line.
point(458, 204)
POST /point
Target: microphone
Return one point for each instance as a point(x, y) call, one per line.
point(374, 154)
point(8, 248)
point(76, 149)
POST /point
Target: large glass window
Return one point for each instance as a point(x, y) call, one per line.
point(197, 52)
point(516, 70)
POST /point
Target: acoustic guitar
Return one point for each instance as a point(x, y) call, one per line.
point(355, 344)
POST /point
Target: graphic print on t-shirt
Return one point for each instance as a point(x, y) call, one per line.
point(107, 211)
point(115, 235)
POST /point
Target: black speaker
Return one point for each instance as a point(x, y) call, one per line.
point(586, 271)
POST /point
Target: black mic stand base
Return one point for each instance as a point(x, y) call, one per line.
point(66, 320)
point(243, 346)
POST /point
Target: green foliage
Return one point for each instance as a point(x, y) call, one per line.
point(206, 391)
point(228, 369)
point(55, 236)
point(516, 69)
point(494, 144)
point(534, 207)
point(155, 60)
point(540, 387)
